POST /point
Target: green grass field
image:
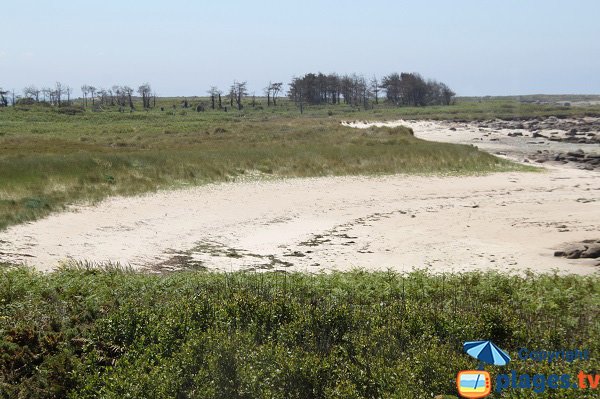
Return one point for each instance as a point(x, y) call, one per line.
point(49, 159)
point(115, 334)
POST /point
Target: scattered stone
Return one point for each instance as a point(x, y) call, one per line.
point(577, 154)
point(584, 200)
point(296, 253)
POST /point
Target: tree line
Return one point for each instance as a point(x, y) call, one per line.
point(60, 95)
point(404, 89)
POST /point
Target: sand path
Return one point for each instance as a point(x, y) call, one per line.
point(501, 221)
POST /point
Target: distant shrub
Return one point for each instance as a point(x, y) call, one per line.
point(70, 110)
point(25, 101)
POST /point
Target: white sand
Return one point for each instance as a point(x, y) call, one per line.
point(500, 221)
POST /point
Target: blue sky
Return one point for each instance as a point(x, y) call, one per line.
point(183, 47)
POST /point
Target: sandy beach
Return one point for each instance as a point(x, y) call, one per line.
point(506, 222)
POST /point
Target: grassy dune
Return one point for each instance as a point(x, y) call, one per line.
point(115, 334)
point(49, 159)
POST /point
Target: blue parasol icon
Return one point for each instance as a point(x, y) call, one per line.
point(486, 352)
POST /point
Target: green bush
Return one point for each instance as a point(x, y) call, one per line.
point(88, 333)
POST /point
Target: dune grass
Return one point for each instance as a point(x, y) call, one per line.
point(50, 159)
point(89, 332)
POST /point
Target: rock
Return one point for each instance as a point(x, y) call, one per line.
point(577, 154)
point(453, 129)
point(296, 253)
point(574, 253)
point(584, 249)
point(593, 251)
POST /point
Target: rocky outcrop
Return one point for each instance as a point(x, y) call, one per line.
point(583, 249)
point(578, 158)
point(572, 130)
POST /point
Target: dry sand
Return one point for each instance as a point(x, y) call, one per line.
point(508, 221)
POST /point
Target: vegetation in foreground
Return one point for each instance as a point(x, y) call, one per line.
point(88, 333)
point(50, 158)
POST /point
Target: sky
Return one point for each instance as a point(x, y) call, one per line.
point(183, 47)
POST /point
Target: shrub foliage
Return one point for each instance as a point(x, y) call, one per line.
point(87, 333)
